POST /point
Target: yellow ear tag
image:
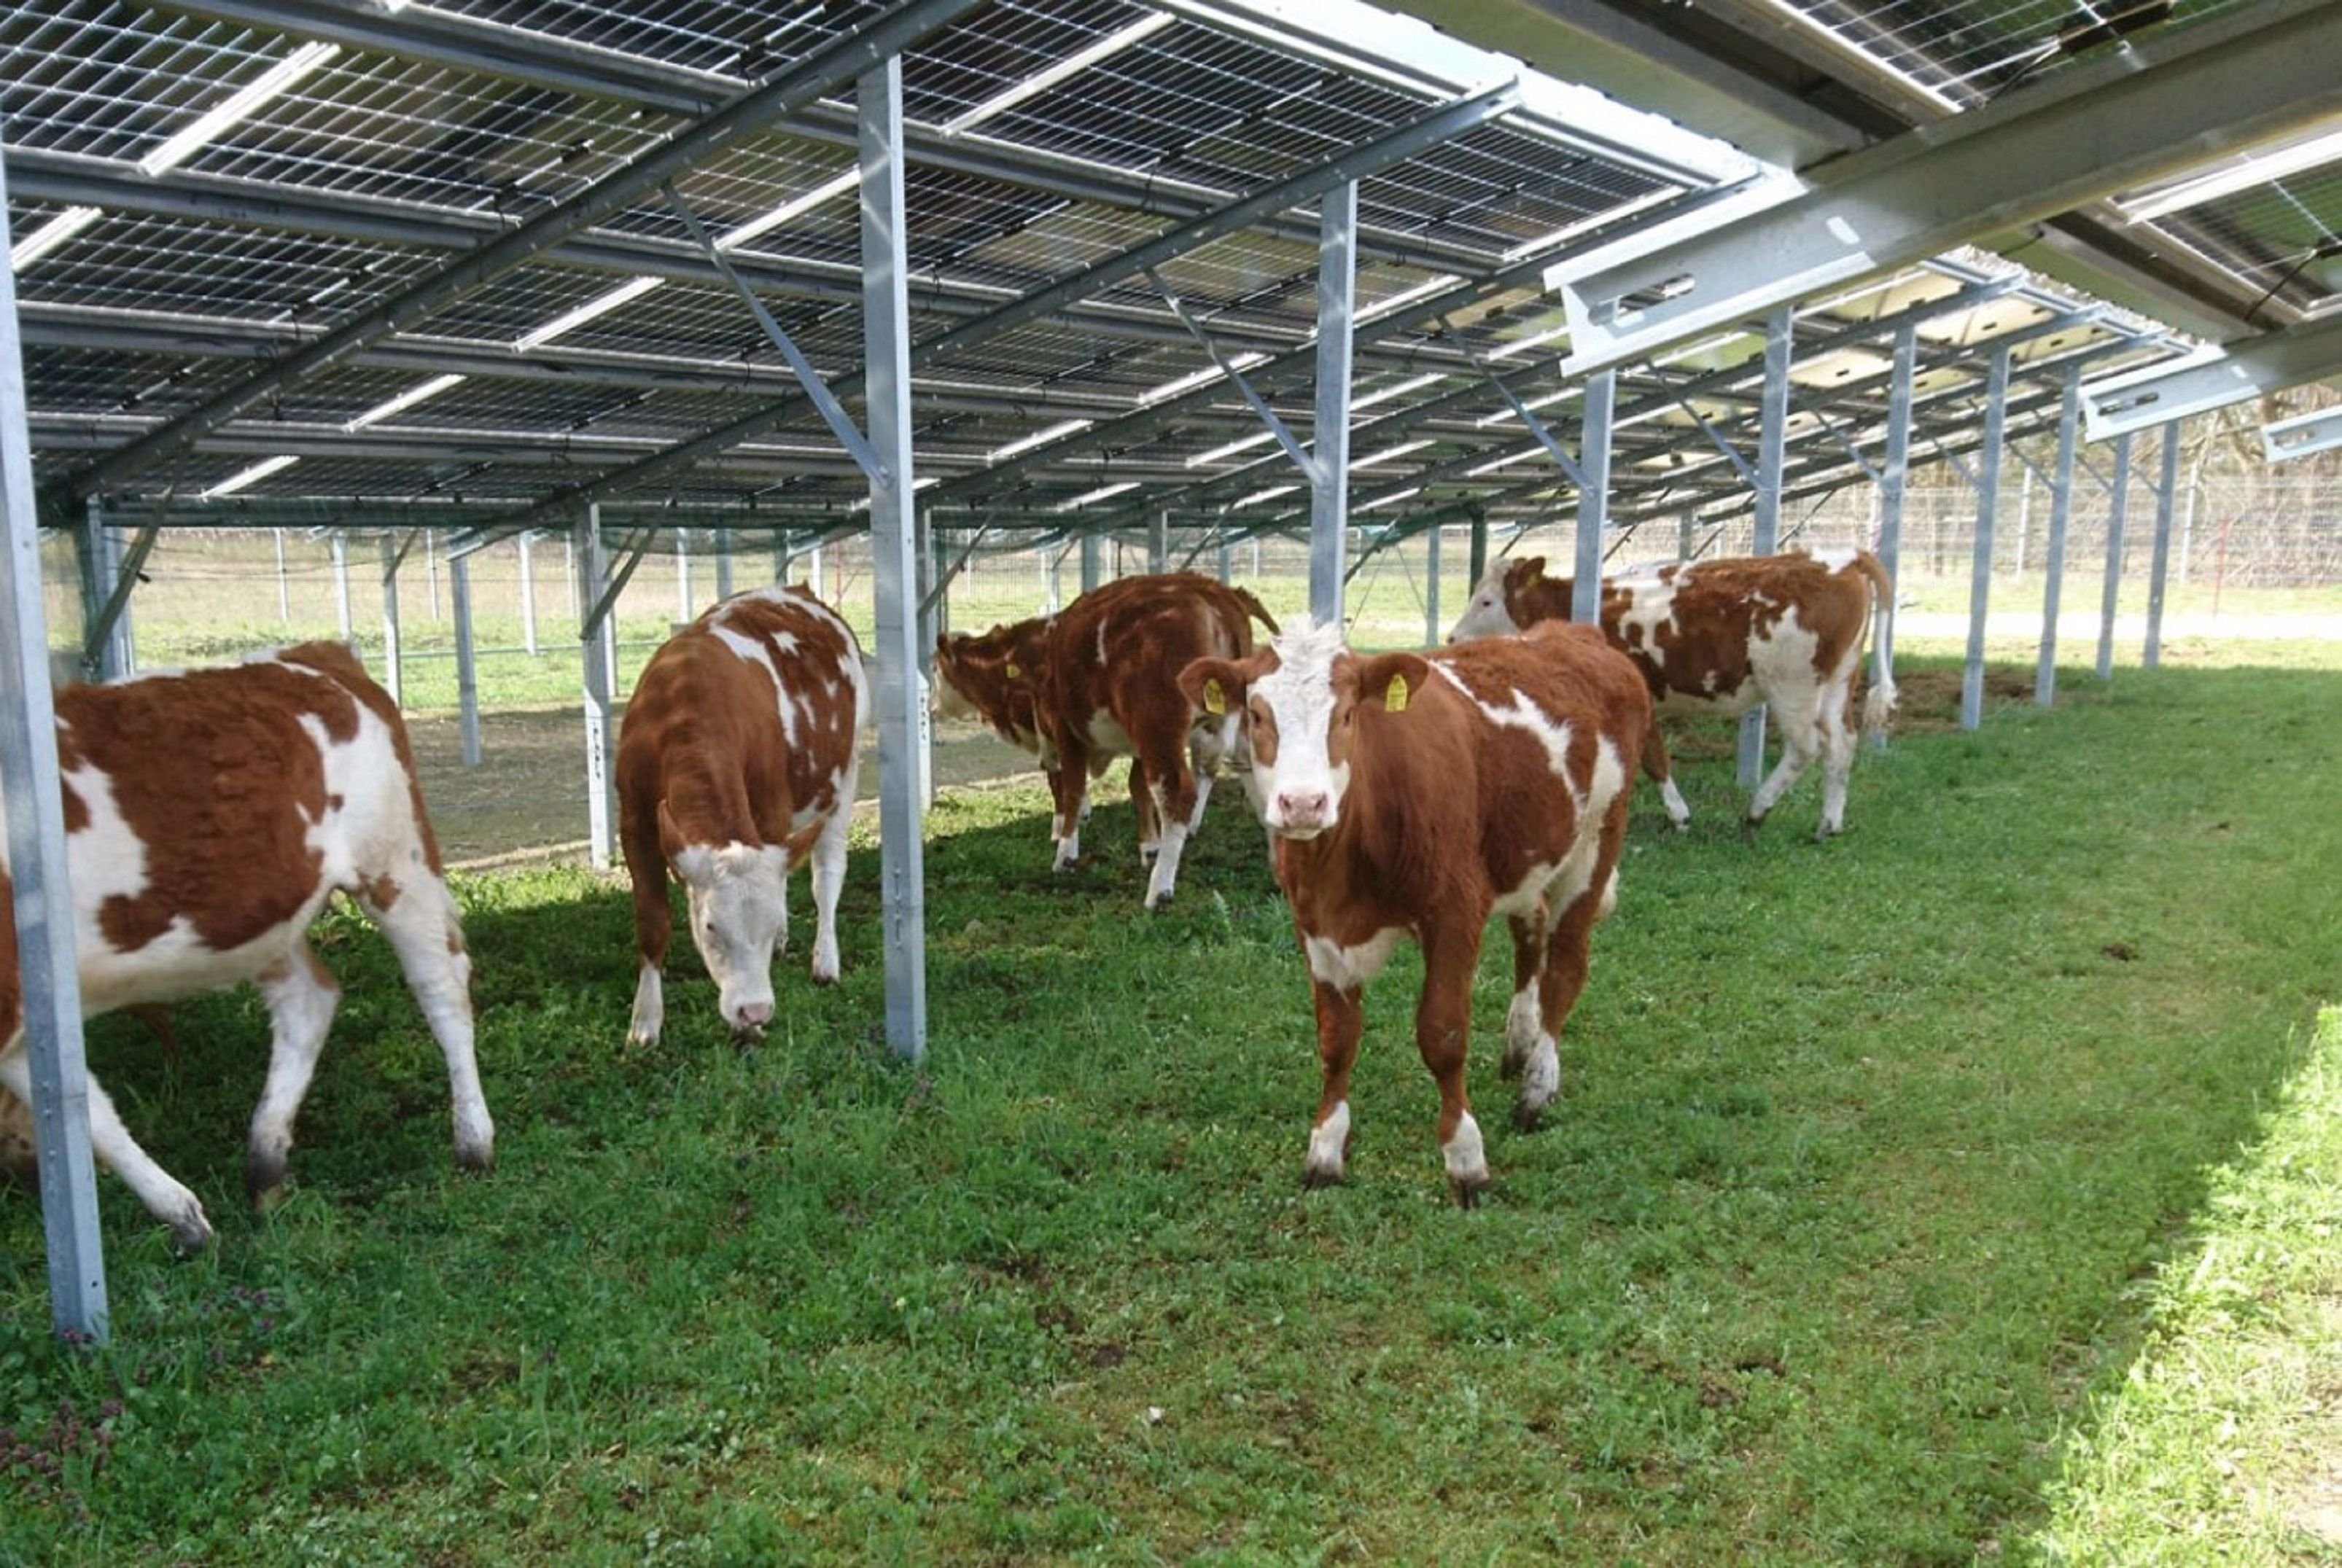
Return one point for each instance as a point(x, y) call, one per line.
point(1216, 701)
point(1395, 695)
point(1014, 672)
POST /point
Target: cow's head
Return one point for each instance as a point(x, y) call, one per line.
point(739, 915)
point(1495, 610)
point(1301, 697)
point(990, 676)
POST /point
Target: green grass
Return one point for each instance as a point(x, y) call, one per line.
point(1837, 1249)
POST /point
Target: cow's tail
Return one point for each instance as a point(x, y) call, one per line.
point(1255, 608)
point(1879, 704)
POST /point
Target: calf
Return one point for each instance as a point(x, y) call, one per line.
point(208, 817)
point(1413, 794)
point(736, 761)
point(1722, 636)
point(1100, 680)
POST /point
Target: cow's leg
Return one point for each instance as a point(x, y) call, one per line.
point(654, 928)
point(1662, 772)
point(1837, 758)
point(114, 1146)
point(1071, 785)
point(423, 928)
point(1800, 743)
point(1521, 1018)
point(828, 879)
point(301, 997)
point(1442, 1016)
point(1175, 805)
point(1340, 1022)
point(1150, 820)
point(1568, 954)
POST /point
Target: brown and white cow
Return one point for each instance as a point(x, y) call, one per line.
point(1416, 795)
point(1722, 636)
point(737, 762)
point(1106, 685)
point(209, 815)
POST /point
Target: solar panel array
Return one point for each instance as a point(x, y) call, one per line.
point(171, 264)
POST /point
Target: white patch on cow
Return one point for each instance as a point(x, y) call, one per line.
point(1107, 734)
point(1328, 1142)
point(1524, 1022)
point(1348, 968)
point(1678, 812)
point(1834, 560)
point(650, 1007)
point(1540, 1075)
point(753, 651)
point(1299, 694)
point(739, 916)
point(1522, 713)
point(1487, 614)
point(1466, 1156)
point(1650, 604)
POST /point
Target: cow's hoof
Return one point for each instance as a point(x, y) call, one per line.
point(1527, 1118)
point(190, 1231)
point(1467, 1190)
point(264, 1174)
point(1157, 902)
point(1748, 826)
point(479, 1159)
point(1314, 1177)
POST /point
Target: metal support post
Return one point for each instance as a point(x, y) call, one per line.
point(1995, 427)
point(99, 553)
point(35, 794)
point(2061, 511)
point(430, 575)
point(283, 585)
point(1227, 560)
point(1477, 558)
point(2118, 512)
point(1601, 406)
point(682, 605)
point(339, 546)
point(598, 641)
point(1158, 541)
point(886, 360)
point(1894, 488)
point(1092, 553)
point(2158, 574)
point(1329, 486)
point(723, 563)
point(390, 650)
point(467, 674)
point(1430, 585)
point(528, 592)
point(1772, 444)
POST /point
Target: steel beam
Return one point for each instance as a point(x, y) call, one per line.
point(2061, 511)
point(467, 662)
point(1894, 481)
point(823, 72)
point(1329, 478)
point(2303, 435)
point(2117, 511)
point(1995, 429)
point(2167, 501)
point(2155, 108)
point(56, 1075)
point(886, 356)
point(597, 643)
point(1601, 406)
point(2215, 378)
point(1772, 456)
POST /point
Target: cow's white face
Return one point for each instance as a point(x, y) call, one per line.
point(1488, 614)
point(738, 913)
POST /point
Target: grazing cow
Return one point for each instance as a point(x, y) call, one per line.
point(1416, 795)
point(1100, 680)
point(736, 761)
point(208, 817)
point(1721, 636)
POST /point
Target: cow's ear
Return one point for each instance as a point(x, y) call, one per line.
point(1214, 686)
point(1530, 570)
point(1392, 681)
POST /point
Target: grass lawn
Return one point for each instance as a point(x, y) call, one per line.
point(1850, 1242)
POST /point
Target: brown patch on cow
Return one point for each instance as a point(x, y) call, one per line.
point(997, 675)
point(381, 891)
point(76, 810)
point(339, 661)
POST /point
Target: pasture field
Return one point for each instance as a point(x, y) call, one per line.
point(1841, 1247)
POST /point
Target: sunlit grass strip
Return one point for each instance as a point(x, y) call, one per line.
point(2224, 1445)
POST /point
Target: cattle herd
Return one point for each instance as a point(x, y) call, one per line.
point(210, 814)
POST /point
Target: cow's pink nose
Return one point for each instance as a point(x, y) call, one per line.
point(756, 1015)
point(1301, 807)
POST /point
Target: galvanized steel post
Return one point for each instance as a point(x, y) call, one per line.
point(2118, 513)
point(1995, 427)
point(1772, 444)
point(2061, 511)
point(2159, 573)
point(467, 675)
point(1329, 484)
point(1601, 406)
point(597, 643)
point(886, 340)
point(390, 649)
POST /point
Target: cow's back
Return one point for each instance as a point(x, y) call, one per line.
point(209, 815)
point(1133, 635)
point(745, 721)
